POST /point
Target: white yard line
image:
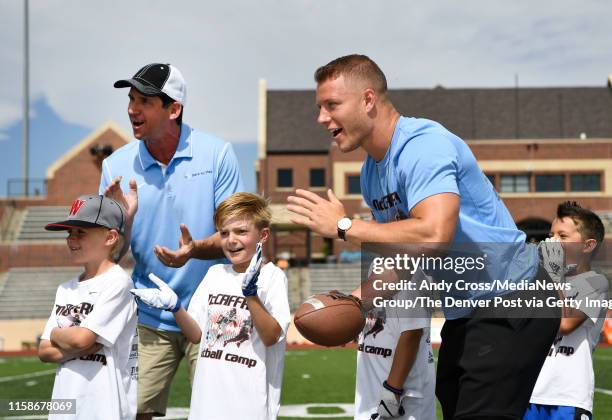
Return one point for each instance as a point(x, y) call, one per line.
point(604, 391)
point(26, 375)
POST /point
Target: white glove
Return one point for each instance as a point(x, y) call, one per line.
point(67, 321)
point(552, 258)
point(249, 282)
point(388, 407)
point(162, 298)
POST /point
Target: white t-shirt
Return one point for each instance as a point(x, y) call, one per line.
point(237, 376)
point(567, 376)
point(104, 384)
point(375, 354)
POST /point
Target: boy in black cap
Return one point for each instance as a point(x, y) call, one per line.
point(91, 332)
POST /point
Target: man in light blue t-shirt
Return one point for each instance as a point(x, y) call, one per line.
point(177, 177)
point(423, 185)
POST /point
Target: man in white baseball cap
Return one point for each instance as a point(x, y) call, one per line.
point(177, 177)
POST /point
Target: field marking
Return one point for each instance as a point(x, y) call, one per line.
point(301, 410)
point(604, 391)
point(27, 375)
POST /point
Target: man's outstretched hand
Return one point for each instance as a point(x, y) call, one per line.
point(179, 257)
point(318, 214)
point(129, 201)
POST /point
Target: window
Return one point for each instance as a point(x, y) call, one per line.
point(585, 182)
point(317, 177)
point(546, 183)
point(354, 186)
point(284, 178)
point(514, 183)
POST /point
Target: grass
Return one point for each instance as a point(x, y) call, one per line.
point(311, 376)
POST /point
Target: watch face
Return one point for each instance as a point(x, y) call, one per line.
point(344, 223)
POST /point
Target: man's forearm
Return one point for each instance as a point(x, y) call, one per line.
point(207, 248)
point(408, 231)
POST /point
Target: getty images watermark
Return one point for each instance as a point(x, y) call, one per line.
point(475, 279)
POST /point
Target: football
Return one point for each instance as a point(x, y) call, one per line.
point(330, 319)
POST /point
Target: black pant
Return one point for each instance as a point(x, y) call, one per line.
point(488, 364)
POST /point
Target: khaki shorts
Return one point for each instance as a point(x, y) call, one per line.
point(159, 355)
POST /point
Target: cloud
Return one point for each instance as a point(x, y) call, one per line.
point(223, 48)
point(9, 113)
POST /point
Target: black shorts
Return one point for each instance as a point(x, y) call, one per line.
point(488, 366)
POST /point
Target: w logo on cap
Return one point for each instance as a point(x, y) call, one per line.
point(76, 206)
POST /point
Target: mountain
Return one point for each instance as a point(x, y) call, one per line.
point(51, 137)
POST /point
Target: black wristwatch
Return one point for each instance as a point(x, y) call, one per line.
point(343, 226)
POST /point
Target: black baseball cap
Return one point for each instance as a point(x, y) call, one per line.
point(92, 211)
point(155, 79)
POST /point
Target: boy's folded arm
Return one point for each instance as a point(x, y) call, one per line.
point(50, 353)
point(73, 338)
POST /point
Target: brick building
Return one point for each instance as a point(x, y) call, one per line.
point(75, 173)
point(538, 146)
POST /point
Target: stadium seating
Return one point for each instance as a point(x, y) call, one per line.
point(29, 293)
point(326, 277)
point(32, 227)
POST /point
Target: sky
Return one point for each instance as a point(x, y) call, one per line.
point(79, 48)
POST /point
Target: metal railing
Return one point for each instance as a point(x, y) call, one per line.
point(16, 187)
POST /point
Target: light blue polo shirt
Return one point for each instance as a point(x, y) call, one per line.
point(202, 173)
point(425, 159)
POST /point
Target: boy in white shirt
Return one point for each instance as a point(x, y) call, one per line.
point(395, 366)
point(239, 314)
point(91, 332)
point(565, 386)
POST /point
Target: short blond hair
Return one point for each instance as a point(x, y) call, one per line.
point(116, 249)
point(244, 205)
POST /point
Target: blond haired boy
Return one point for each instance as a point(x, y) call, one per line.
point(91, 332)
point(239, 315)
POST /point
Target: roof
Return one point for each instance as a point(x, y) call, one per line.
point(472, 114)
point(87, 142)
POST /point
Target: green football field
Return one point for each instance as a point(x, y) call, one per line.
point(315, 382)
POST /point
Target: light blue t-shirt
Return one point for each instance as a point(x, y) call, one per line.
point(202, 173)
point(425, 159)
